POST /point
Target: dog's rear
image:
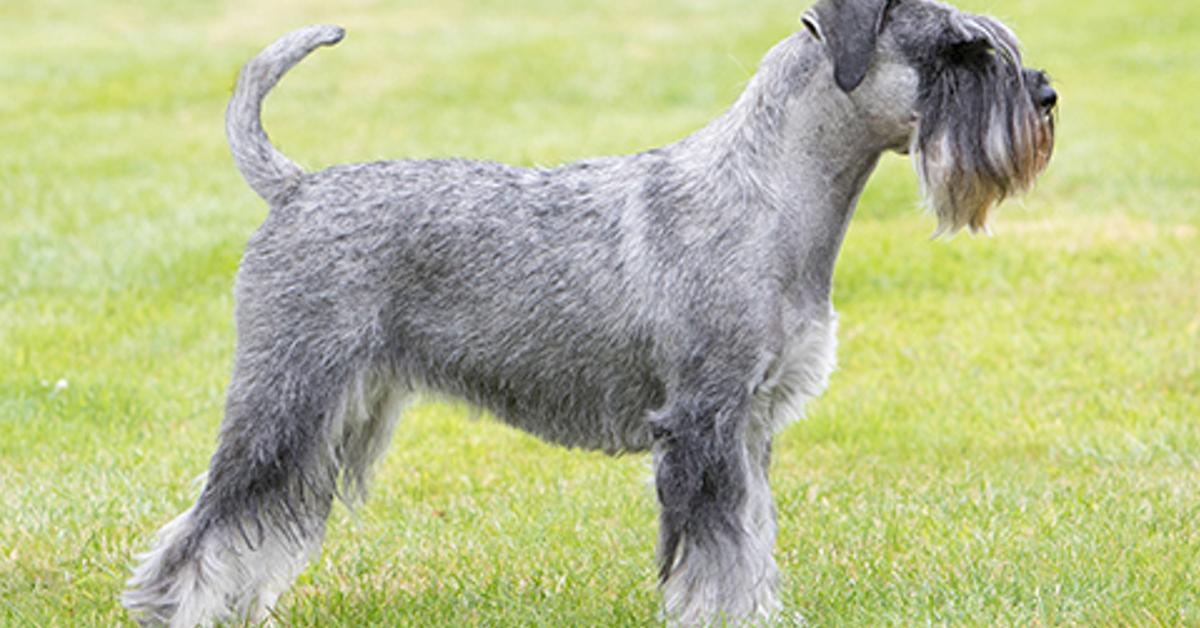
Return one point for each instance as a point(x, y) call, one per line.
point(262, 512)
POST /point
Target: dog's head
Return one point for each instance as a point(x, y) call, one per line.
point(950, 88)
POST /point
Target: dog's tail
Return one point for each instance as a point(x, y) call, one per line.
point(267, 171)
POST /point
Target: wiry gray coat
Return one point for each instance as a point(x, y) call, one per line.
point(675, 300)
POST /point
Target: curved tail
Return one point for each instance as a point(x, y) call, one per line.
point(268, 171)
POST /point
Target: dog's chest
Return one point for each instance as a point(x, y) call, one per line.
point(797, 373)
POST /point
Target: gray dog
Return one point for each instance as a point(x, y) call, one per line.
point(675, 301)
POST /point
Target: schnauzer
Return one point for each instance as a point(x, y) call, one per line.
point(675, 301)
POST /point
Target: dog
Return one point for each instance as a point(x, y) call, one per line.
point(676, 301)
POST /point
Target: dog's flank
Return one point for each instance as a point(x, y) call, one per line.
point(677, 301)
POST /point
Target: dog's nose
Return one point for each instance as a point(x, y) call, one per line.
point(1046, 97)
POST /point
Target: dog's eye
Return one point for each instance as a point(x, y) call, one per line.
point(969, 51)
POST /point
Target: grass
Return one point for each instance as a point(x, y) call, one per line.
point(1012, 436)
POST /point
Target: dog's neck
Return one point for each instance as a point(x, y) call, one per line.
point(796, 138)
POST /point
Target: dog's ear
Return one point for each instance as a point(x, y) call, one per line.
point(849, 29)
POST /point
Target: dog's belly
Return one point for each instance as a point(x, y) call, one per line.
point(577, 414)
point(574, 394)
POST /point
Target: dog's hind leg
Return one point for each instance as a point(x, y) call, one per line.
point(717, 527)
point(297, 426)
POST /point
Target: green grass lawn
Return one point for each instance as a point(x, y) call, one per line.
point(1012, 436)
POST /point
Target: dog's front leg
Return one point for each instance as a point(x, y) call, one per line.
point(717, 527)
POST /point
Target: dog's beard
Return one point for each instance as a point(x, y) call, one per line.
point(980, 140)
